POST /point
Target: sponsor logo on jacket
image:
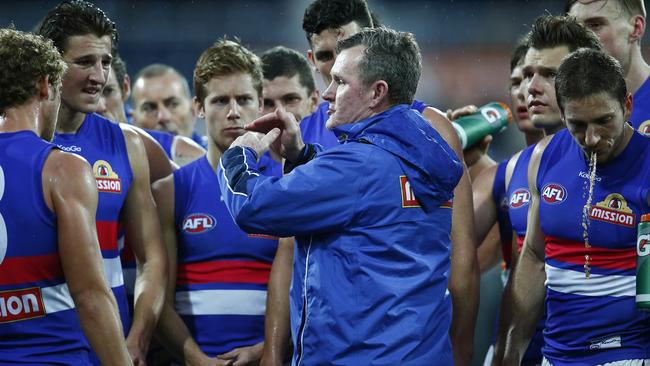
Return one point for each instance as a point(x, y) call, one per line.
point(408, 196)
point(613, 209)
point(553, 193)
point(23, 304)
point(198, 223)
point(519, 198)
point(107, 180)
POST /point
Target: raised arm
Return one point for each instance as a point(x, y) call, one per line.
point(142, 230)
point(465, 276)
point(70, 190)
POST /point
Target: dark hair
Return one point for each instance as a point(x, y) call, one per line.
point(119, 68)
point(588, 72)
point(332, 14)
point(631, 7)
point(391, 56)
point(554, 31)
point(25, 59)
point(519, 52)
point(283, 61)
point(223, 58)
point(158, 70)
point(76, 18)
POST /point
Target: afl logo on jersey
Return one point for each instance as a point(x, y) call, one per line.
point(644, 128)
point(519, 198)
point(107, 180)
point(613, 209)
point(553, 193)
point(198, 223)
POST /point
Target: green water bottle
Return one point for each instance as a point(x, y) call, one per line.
point(643, 264)
point(490, 119)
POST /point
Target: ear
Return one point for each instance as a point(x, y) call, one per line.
point(638, 28)
point(43, 86)
point(197, 108)
point(126, 87)
point(310, 57)
point(379, 93)
point(627, 107)
point(313, 101)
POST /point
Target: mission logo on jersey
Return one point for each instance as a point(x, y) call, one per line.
point(519, 198)
point(644, 128)
point(198, 223)
point(21, 304)
point(107, 180)
point(553, 193)
point(613, 209)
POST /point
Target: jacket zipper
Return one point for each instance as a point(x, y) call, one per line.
point(303, 316)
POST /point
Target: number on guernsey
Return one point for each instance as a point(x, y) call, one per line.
point(3, 227)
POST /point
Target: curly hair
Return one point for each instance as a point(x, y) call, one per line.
point(24, 60)
point(332, 14)
point(76, 18)
point(226, 57)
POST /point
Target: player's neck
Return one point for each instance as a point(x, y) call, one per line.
point(533, 137)
point(213, 154)
point(20, 118)
point(69, 120)
point(553, 130)
point(638, 72)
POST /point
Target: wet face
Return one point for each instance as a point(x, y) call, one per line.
point(350, 100)
point(323, 48)
point(608, 20)
point(162, 103)
point(597, 123)
point(518, 101)
point(539, 70)
point(111, 103)
point(289, 93)
point(231, 102)
point(89, 62)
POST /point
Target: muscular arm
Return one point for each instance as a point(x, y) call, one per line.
point(142, 230)
point(172, 330)
point(464, 279)
point(159, 164)
point(74, 202)
point(276, 323)
point(185, 150)
point(523, 298)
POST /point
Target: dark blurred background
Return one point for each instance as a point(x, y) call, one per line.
point(466, 47)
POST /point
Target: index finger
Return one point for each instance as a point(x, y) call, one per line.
point(265, 123)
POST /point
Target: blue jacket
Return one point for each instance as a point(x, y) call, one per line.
point(371, 260)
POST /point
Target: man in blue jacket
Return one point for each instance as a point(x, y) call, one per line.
point(371, 216)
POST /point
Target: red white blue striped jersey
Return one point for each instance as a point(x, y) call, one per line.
point(593, 320)
point(102, 143)
point(38, 320)
point(222, 271)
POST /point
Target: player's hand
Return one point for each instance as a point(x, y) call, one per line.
point(474, 153)
point(290, 143)
point(244, 355)
point(138, 355)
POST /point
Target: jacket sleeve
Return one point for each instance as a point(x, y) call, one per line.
point(319, 196)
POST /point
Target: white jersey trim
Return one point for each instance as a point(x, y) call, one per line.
point(574, 282)
point(221, 302)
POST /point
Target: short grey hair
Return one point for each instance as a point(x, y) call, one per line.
point(391, 56)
